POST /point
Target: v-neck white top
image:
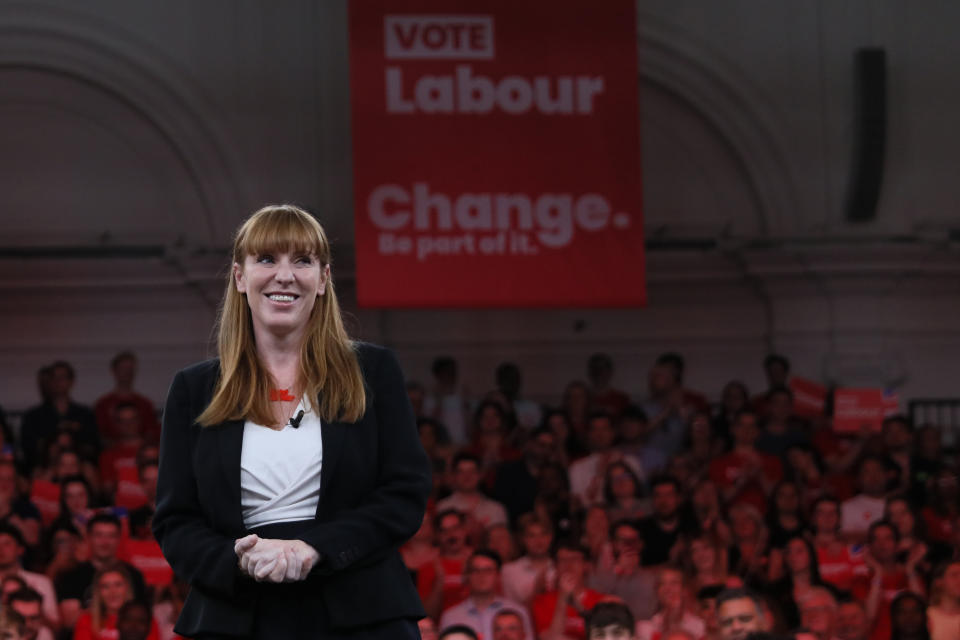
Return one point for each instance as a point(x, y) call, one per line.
point(280, 471)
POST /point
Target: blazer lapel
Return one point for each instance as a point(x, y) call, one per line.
point(331, 434)
point(229, 445)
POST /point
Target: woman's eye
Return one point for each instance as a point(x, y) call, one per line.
point(265, 258)
point(304, 260)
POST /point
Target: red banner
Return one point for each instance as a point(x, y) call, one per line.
point(496, 153)
point(809, 397)
point(857, 409)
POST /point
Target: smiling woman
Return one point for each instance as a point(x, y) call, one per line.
point(290, 467)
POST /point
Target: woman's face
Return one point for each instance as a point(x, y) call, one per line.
point(621, 483)
point(281, 289)
point(670, 589)
point(703, 555)
point(68, 464)
point(113, 591)
point(909, 617)
point(744, 528)
point(75, 497)
point(797, 556)
point(788, 499)
point(826, 517)
point(902, 518)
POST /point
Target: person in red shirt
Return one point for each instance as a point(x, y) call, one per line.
point(559, 614)
point(746, 475)
point(441, 583)
point(124, 369)
point(838, 561)
point(112, 588)
point(886, 577)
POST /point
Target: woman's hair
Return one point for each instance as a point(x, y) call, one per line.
point(719, 551)
point(74, 479)
point(96, 602)
point(815, 578)
point(328, 361)
point(896, 603)
point(608, 483)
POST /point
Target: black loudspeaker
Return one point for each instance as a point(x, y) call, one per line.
point(870, 133)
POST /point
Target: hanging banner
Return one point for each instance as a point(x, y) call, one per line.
point(809, 397)
point(496, 158)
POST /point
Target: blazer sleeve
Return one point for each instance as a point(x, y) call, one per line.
point(196, 552)
point(394, 510)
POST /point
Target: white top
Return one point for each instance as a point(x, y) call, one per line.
point(280, 471)
point(485, 511)
point(859, 512)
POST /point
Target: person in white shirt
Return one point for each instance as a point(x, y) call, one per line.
point(531, 574)
point(587, 474)
point(482, 605)
point(482, 512)
point(865, 508)
point(671, 609)
point(448, 403)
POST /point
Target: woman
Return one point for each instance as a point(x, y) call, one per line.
point(784, 516)
point(793, 573)
point(838, 562)
point(112, 588)
point(290, 468)
point(490, 441)
point(623, 494)
point(748, 553)
point(705, 564)
point(908, 617)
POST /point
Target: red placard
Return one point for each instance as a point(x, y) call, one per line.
point(496, 153)
point(854, 409)
point(809, 397)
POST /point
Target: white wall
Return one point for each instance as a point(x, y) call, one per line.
point(161, 124)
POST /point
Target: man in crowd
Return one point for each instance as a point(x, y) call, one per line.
point(852, 621)
point(517, 481)
point(886, 577)
point(481, 511)
point(441, 584)
point(740, 612)
point(781, 429)
point(898, 442)
point(587, 474)
point(603, 396)
point(558, 614)
point(508, 625)
point(818, 613)
point(670, 406)
point(477, 611)
point(11, 549)
point(448, 402)
point(103, 536)
point(610, 621)
point(28, 603)
point(626, 579)
point(509, 382)
point(15, 509)
point(944, 616)
point(662, 529)
point(123, 366)
point(58, 411)
point(858, 513)
point(633, 429)
point(528, 576)
point(746, 475)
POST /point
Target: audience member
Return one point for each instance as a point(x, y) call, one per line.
point(707, 610)
point(626, 579)
point(908, 616)
point(705, 559)
point(508, 624)
point(481, 512)
point(781, 429)
point(428, 628)
point(58, 411)
point(11, 549)
point(818, 613)
point(29, 604)
point(587, 474)
point(604, 397)
point(459, 632)
point(500, 538)
point(740, 612)
point(558, 613)
point(669, 405)
point(839, 563)
point(746, 475)
point(610, 621)
point(15, 509)
point(633, 430)
point(672, 613)
point(943, 616)
point(509, 382)
point(865, 508)
point(852, 623)
point(623, 493)
point(73, 585)
point(529, 575)
point(784, 516)
point(448, 402)
point(441, 584)
point(517, 482)
point(112, 587)
point(135, 621)
point(477, 611)
point(123, 366)
point(662, 529)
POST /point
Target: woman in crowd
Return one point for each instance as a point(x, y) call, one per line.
point(908, 617)
point(623, 493)
point(111, 589)
point(705, 562)
point(793, 572)
point(748, 553)
point(837, 561)
point(784, 516)
point(708, 512)
point(702, 445)
point(490, 441)
point(734, 398)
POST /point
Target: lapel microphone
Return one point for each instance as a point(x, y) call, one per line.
point(295, 422)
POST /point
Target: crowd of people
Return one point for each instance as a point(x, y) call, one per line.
point(654, 515)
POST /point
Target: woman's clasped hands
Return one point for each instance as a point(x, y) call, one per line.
point(270, 560)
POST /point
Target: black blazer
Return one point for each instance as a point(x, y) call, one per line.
point(374, 484)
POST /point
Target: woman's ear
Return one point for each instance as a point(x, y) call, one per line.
point(238, 279)
point(324, 278)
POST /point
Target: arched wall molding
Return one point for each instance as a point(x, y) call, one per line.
point(739, 113)
point(101, 55)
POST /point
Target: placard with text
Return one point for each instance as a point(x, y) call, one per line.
point(496, 157)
